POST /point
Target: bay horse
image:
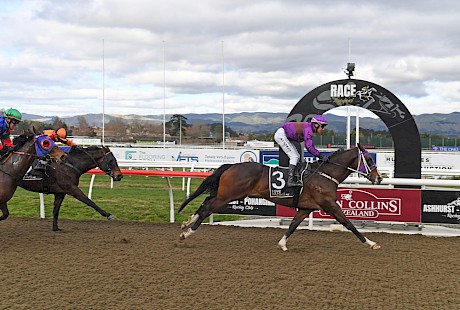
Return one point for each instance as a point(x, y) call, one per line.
point(63, 180)
point(15, 163)
point(237, 181)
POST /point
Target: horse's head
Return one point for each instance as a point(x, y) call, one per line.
point(109, 164)
point(45, 147)
point(367, 167)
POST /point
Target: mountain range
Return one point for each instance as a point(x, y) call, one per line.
point(266, 122)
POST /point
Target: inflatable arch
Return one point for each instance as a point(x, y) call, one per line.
point(372, 97)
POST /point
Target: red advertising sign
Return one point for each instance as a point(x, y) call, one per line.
point(373, 204)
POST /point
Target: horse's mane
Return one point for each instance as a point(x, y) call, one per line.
point(18, 142)
point(338, 152)
point(75, 150)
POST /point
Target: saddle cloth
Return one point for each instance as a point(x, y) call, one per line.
point(277, 181)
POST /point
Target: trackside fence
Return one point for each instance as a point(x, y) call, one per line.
point(359, 199)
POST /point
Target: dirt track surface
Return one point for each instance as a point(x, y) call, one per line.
point(128, 265)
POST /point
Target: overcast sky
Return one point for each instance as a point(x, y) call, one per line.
point(67, 57)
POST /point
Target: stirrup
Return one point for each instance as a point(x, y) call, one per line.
point(294, 183)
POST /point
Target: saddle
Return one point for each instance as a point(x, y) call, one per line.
point(39, 171)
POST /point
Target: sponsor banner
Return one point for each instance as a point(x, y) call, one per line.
point(441, 206)
point(373, 204)
point(429, 161)
point(446, 148)
point(250, 206)
point(186, 155)
point(270, 157)
point(83, 141)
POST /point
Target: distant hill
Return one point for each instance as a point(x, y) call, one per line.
point(266, 122)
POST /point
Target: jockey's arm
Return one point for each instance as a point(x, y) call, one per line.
point(70, 142)
point(311, 148)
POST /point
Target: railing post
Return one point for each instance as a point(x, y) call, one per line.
point(42, 206)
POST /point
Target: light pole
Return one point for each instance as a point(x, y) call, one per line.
point(103, 94)
point(164, 96)
point(223, 97)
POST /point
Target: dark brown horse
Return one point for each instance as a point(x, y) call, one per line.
point(15, 163)
point(237, 181)
point(63, 180)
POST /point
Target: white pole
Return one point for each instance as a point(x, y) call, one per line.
point(348, 127)
point(42, 206)
point(103, 93)
point(91, 183)
point(357, 125)
point(223, 97)
point(180, 130)
point(164, 96)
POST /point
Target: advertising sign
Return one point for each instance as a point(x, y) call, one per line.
point(429, 160)
point(441, 206)
point(446, 148)
point(270, 157)
point(185, 155)
point(373, 204)
point(250, 206)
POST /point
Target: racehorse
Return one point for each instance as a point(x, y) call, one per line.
point(15, 163)
point(63, 180)
point(237, 181)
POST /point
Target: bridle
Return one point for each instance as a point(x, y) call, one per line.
point(46, 157)
point(107, 170)
point(362, 169)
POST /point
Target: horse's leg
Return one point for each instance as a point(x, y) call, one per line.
point(338, 214)
point(78, 194)
point(298, 218)
point(58, 198)
point(208, 207)
point(5, 212)
point(192, 219)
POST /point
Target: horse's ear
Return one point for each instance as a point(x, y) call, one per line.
point(35, 130)
point(361, 148)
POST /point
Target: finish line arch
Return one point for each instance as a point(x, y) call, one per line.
point(374, 98)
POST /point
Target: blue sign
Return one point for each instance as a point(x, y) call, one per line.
point(269, 157)
point(446, 148)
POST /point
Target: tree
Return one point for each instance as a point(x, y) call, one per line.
point(57, 123)
point(117, 129)
point(176, 124)
point(83, 128)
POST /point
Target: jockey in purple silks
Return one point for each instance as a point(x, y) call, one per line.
point(299, 131)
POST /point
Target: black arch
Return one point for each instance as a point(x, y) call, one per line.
point(380, 101)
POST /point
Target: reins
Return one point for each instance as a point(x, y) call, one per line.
point(367, 168)
point(108, 172)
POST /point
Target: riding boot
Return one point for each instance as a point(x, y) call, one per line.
point(38, 171)
point(293, 180)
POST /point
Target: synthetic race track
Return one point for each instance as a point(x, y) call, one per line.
point(131, 265)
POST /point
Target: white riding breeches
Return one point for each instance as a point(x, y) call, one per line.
point(287, 146)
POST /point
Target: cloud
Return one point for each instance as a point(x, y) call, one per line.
point(75, 57)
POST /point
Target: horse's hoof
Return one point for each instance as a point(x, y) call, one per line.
point(375, 246)
point(111, 217)
point(182, 236)
point(282, 247)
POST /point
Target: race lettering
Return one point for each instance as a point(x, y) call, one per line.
point(348, 90)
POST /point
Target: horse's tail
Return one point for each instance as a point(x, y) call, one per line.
point(210, 184)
